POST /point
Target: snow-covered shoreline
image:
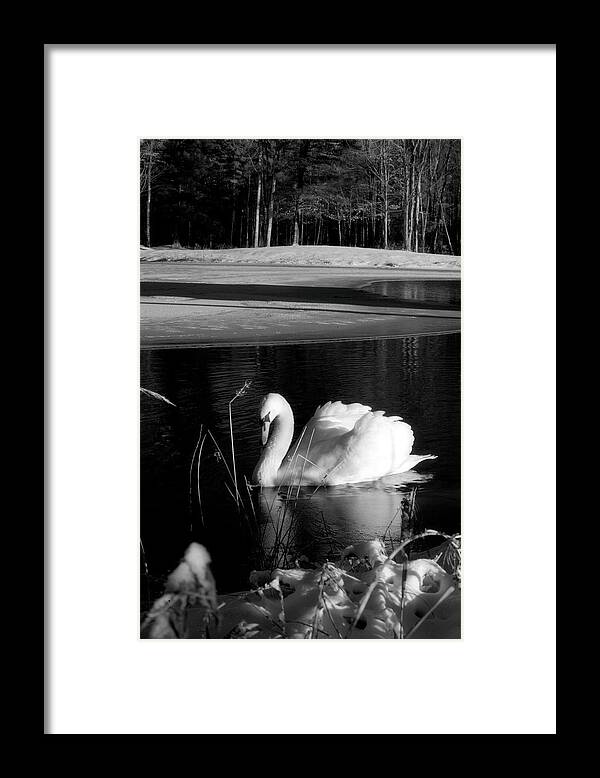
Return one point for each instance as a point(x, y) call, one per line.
point(311, 256)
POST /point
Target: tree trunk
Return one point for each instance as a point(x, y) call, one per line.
point(406, 238)
point(406, 208)
point(419, 209)
point(258, 193)
point(270, 211)
point(446, 228)
point(248, 213)
point(386, 217)
point(411, 228)
point(148, 199)
point(385, 174)
point(298, 186)
point(374, 215)
point(149, 193)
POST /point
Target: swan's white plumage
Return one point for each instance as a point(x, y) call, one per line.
point(341, 444)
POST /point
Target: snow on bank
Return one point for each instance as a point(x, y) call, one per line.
point(333, 256)
point(365, 595)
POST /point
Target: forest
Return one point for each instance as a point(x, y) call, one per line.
point(384, 193)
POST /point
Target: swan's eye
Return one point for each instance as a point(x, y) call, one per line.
point(266, 419)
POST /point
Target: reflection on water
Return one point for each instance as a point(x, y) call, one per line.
point(433, 294)
point(414, 377)
point(320, 522)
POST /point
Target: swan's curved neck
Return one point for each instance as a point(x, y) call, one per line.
point(281, 432)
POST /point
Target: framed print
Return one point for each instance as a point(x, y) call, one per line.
point(293, 386)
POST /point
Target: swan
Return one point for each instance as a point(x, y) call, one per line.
point(341, 444)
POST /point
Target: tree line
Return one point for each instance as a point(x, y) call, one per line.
point(384, 193)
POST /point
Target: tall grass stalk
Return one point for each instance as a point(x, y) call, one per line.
point(237, 494)
point(250, 500)
point(403, 592)
point(363, 604)
point(239, 393)
point(304, 464)
point(425, 534)
point(199, 443)
point(156, 396)
point(146, 570)
point(212, 437)
point(198, 479)
point(393, 519)
point(291, 462)
point(339, 634)
point(146, 575)
point(319, 607)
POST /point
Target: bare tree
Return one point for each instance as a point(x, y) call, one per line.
point(298, 187)
point(384, 193)
point(259, 173)
point(275, 152)
point(150, 172)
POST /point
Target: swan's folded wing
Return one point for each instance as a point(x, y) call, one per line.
point(328, 424)
point(331, 421)
point(334, 418)
point(340, 410)
point(376, 446)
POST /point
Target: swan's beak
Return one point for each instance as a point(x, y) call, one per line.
point(265, 425)
point(264, 436)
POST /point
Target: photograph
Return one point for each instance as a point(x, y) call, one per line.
point(264, 418)
point(300, 388)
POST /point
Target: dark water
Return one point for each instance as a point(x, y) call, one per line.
point(426, 294)
point(436, 294)
point(417, 378)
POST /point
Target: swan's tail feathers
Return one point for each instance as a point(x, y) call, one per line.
point(413, 460)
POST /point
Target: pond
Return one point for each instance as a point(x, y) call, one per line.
point(416, 377)
point(435, 295)
point(426, 294)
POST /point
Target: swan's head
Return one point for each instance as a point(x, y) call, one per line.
point(272, 405)
point(277, 430)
